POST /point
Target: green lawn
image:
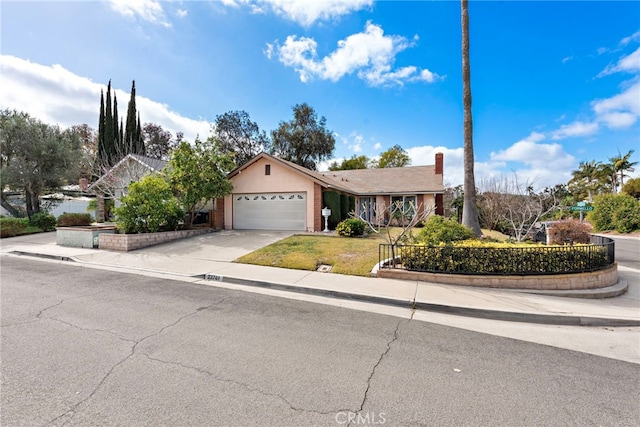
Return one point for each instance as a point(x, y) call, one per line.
point(355, 256)
point(347, 255)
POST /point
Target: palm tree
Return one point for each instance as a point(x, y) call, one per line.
point(469, 209)
point(588, 177)
point(621, 164)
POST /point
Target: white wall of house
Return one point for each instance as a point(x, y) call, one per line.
point(281, 179)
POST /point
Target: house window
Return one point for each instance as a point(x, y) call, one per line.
point(405, 204)
point(267, 169)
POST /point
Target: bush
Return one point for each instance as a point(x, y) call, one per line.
point(626, 217)
point(149, 207)
point(43, 221)
point(569, 231)
point(603, 217)
point(351, 227)
point(438, 229)
point(10, 227)
point(74, 219)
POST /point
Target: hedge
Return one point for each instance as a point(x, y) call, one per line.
point(465, 259)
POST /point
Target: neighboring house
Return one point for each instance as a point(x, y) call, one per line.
point(113, 184)
point(274, 194)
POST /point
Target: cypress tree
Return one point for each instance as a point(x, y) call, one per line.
point(101, 154)
point(119, 152)
point(143, 148)
point(131, 131)
point(109, 136)
point(121, 136)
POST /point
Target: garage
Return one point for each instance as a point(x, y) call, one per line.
point(270, 211)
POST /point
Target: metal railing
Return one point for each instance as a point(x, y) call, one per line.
point(526, 260)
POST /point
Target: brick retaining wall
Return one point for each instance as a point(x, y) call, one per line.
point(591, 280)
point(130, 242)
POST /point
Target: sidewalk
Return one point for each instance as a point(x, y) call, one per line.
point(198, 264)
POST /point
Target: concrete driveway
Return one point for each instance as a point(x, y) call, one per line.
point(190, 256)
point(224, 245)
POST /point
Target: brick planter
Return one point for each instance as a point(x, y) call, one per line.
point(591, 280)
point(130, 242)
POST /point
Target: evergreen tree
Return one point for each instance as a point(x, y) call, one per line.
point(109, 136)
point(101, 154)
point(139, 137)
point(117, 146)
point(132, 132)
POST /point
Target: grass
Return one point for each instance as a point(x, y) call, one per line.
point(352, 256)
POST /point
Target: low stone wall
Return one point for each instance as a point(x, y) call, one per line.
point(130, 242)
point(81, 237)
point(591, 280)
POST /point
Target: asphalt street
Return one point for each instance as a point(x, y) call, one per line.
point(84, 347)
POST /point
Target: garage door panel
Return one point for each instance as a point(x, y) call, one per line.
point(270, 211)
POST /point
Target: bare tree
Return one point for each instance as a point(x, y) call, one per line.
point(518, 205)
point(395, 222)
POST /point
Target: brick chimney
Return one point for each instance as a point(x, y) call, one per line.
point(439, 163)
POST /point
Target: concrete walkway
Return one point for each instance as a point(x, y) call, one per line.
point(207, 259)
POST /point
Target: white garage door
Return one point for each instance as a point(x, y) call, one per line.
point(270, 211)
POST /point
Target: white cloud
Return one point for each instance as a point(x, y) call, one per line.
point(621, 110)
point(628, 64)
point(56, 95)
point(377, 146)
point(181, 13)
point(575, 129)
point(369, 54)
point(147, 10)
point(632, 38)
point(305, 13)
point(567, 59)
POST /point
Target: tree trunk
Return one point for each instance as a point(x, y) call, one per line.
point(9, 207)
point(469, 208)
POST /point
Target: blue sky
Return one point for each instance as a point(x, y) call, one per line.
point(554, 83)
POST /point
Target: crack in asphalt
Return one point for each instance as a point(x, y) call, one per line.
point(373, 370)
point(71, 412)
point(244, 385)
point(39, 317)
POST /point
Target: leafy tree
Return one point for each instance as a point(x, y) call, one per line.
point(157, 141)
point(632, 188)
point(198, 173)
point(36, 156)
point(305, 140)
point(359, 162)
point(470, 216)
point(149, 207)
point(240, 136)
point(394, 157)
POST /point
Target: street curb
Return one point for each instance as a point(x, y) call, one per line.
point(546, 319)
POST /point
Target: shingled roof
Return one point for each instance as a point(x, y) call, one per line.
point(365, 182)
